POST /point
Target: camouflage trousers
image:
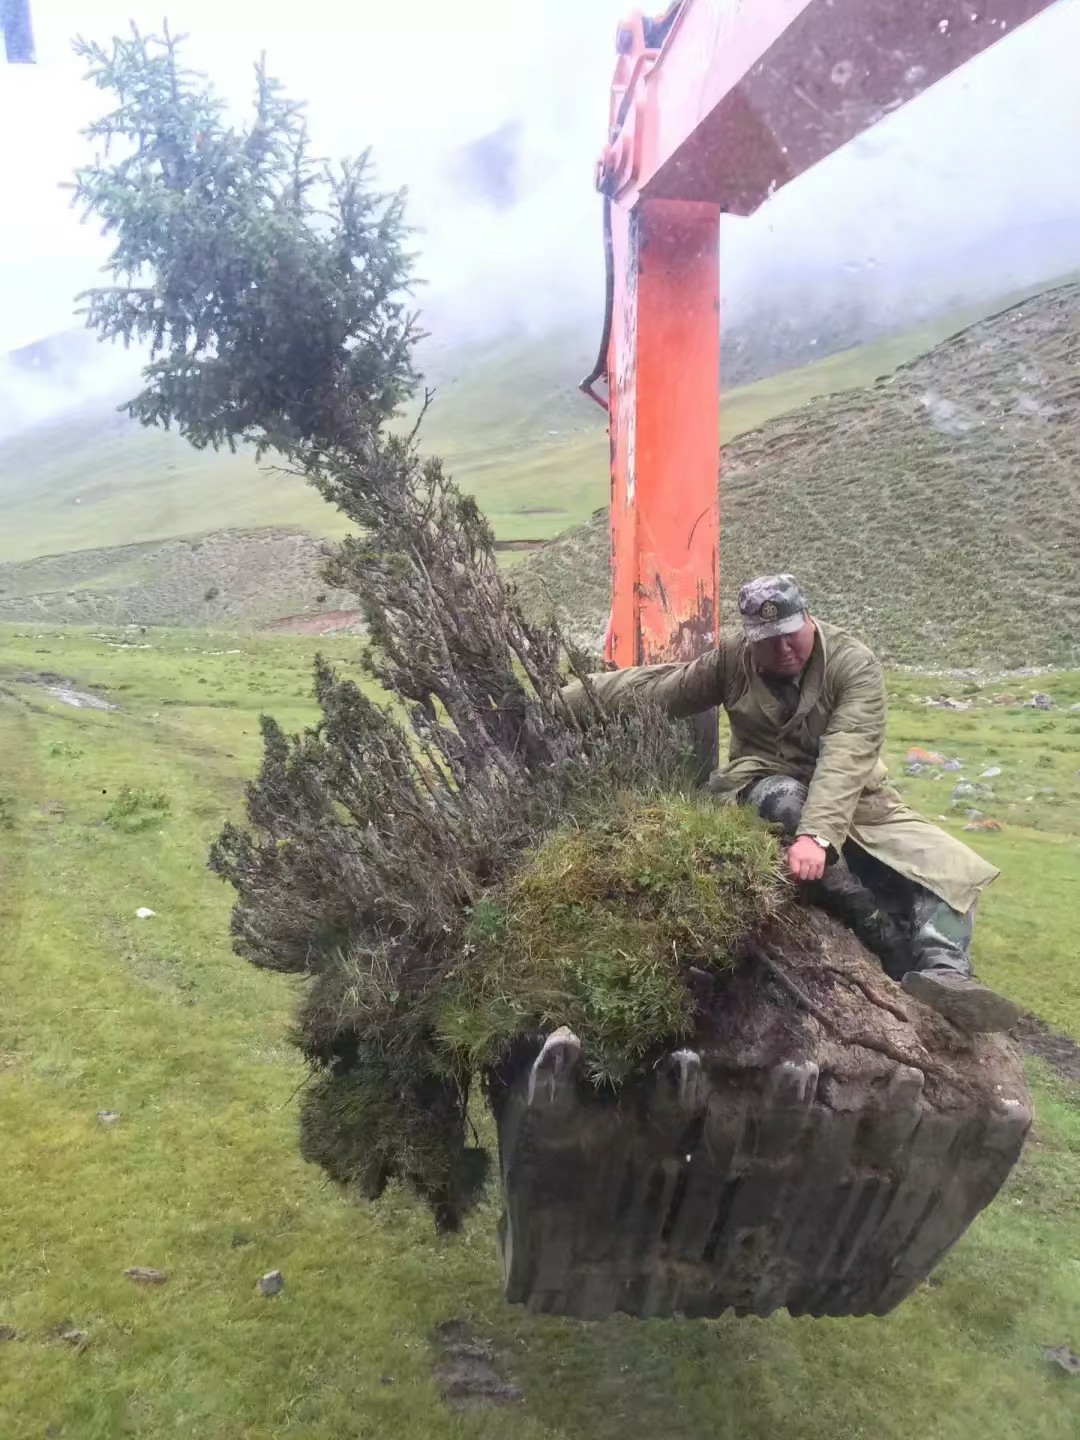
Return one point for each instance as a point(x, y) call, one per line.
point(907, 926)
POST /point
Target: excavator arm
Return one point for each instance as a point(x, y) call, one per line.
point(714, 106)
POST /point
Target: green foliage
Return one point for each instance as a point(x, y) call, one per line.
point(599, 925)
point(270, 285)
point(133, 808)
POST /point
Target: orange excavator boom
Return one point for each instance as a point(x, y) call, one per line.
point(714, 106)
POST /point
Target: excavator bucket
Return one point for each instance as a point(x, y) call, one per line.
point(773, 1162)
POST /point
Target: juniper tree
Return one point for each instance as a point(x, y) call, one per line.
point(273, 290)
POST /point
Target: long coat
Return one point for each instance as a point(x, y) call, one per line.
point(832, 744)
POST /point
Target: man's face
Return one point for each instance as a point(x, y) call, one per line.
point(786, 655)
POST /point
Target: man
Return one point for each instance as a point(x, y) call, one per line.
point(806, 706)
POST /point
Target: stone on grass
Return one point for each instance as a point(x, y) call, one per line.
point(986, 822)
point(967, 791)
point(1064, 1358)
point(991, 774)
point(145, 913)
point(952, 765)
point(8, 1332)
point(918, 756)
point(146, 1275)
point(108, 1117)
point(68, 1334)
point(1041, 702)
point(272, 1283)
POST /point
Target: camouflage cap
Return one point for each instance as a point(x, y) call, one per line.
point(772, 605)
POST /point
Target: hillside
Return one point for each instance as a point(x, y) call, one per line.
point(936, 512)
point(953, 473)
point(506, 417)
point(227, 579)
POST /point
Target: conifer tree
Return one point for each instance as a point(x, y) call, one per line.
point(273, 290)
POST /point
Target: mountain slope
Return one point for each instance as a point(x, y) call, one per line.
point(936, 512)
point(228, 580)
point(506, 417)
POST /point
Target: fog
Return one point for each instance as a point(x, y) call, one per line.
point(493, 115)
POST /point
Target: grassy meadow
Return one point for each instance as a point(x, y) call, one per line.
point(154, 1022)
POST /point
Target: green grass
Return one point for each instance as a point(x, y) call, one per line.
point(200, 1176)
point(595, 930)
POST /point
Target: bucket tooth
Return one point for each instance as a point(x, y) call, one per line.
point(556, 1063)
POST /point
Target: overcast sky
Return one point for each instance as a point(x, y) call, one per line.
point(993, 148)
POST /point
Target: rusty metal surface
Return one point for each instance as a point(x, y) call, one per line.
point(742, 97)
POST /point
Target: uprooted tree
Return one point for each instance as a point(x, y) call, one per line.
point(457, 863)
point(273, 291)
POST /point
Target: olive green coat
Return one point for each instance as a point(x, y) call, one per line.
point(832, 744)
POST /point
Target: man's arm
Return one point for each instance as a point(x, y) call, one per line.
point(680, 689)
point(850, 748)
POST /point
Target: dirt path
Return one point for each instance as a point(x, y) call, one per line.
point(1061, 1052)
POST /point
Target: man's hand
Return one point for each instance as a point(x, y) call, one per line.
point(806, 859)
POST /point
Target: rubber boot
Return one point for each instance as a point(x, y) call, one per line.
point(940, 974)
point(962, 1000)
point(842, 893)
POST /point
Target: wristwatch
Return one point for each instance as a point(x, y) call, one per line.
point(818, 840)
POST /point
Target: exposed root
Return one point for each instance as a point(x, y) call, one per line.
point(860, 1038)
point(874, 996)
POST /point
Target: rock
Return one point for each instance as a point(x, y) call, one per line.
point(986, 823)
point(918, 756)
point(8, 1332)
point(108, 1117)
point(1064, 1358)
point(967, 791)
point(146, 1275)
point(239, 1239)
point(272, 1283)
point(144, 913)
point(1003, 700)
point(1074, 707)
point(1041, 702)
point(952, 765)
point(69, 1335)
point(991, 774)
